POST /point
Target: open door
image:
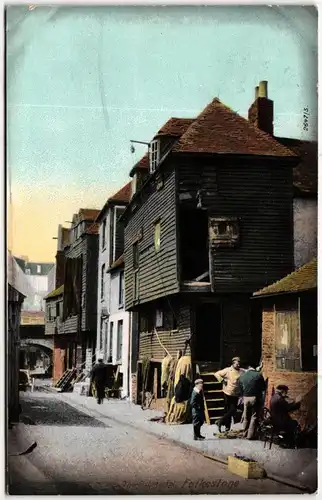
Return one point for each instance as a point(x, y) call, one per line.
point(208, 333)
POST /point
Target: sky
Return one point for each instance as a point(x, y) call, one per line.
point(83, 81)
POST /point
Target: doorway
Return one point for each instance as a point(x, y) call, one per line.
point(194, 257)
point(208, 333)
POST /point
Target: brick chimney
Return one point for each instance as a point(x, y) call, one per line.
point(261, 112)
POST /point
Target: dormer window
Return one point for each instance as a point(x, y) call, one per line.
point(134, 184)
point(154, 155)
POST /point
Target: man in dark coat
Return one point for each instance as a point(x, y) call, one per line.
point(197, 409)
point(252, 385)
point(99, 379)
point(280, 409)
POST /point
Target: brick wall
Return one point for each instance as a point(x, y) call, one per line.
point(301, 384)
point(59, 356)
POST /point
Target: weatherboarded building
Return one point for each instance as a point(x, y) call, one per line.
point(211, 223)
point(71, 309)
point(289, 337)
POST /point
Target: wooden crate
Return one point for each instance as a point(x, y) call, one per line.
point(248, 470)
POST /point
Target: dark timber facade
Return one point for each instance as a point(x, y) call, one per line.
point(71, 309)
point(210, 225)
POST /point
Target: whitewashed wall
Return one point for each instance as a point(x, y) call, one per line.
point(117, 314)
point(103, 258)
point(305, 230)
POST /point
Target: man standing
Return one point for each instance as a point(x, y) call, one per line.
point(98, 378)
point(230, 378)
point(280, 409)
point(252, 385)
point(197, 409)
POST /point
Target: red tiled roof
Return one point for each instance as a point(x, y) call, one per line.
point(220, 130)
point(141, 164)
point(176, 126)
point(118, 263)
point(88, 214)
point(124, 194)
point(305, 174)
point(304, 278)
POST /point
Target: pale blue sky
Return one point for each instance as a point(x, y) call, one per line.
point(84, 81)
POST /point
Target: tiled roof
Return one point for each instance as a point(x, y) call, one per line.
point(118, 263)
point(121, 196)
point(218, 129)
point(304, 278)
point(305, 174)
point(88, 214)
point(141, 164)
point(176, 126)
point(55, 293)
point(124, 194)
point(93, 228)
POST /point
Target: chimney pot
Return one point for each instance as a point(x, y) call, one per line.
point(256, 92)
point(262, 91)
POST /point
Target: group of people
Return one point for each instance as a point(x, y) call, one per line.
point(246, 387)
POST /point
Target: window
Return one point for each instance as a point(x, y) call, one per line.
point(61, 309)
point(119, 340)
point(51, 312)
point(154, 155)
point(223, 231)
point(27, 271)
point(104, 234)
point(287, 340)
point(110, 346)
point(101, 344)
point(38, 269)
point(121, 289)
point(159, 318)
point(157, 235)
point(103, 282)
point(133, 185)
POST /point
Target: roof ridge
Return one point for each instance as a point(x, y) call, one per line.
point(226, 133)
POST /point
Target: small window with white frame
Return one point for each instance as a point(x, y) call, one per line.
point(159, 318)
point(154, 155)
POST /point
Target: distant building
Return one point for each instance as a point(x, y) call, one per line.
point(39, 277)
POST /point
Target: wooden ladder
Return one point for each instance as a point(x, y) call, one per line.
point(213, 397)
point(65, 380)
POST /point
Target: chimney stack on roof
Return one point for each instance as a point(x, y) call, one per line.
point(261, 112)
point(262, 89)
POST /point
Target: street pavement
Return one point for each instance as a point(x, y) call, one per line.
point(81, 454)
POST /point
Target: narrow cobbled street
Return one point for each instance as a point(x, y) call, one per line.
point(79, 454)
